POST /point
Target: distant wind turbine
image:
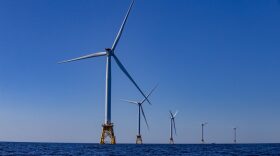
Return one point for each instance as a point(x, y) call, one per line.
point(140, 110)
point(107, 129)
point(202, 131)
point(172, 125)
point(234, 134)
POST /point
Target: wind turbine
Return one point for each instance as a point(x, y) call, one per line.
point(140, 110)
point(107, 127)
point(202, 131)
point(234, 134)
point(172, 125)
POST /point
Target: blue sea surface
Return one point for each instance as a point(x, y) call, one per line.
point(9, 148)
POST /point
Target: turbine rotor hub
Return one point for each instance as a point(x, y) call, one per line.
point(109, 51)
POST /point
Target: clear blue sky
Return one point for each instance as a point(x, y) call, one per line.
point(215, 61)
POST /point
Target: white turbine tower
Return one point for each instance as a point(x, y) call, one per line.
point(172, 125)
point(140, 109)
point(202, 131)
point(107, 129)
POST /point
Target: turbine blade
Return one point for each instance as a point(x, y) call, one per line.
point(85, 57)
point(149, 94)
point(122, 27)
point(129, 101)
point(128, 75)
point(174, 126)
point(144, 116)
point(175, 113)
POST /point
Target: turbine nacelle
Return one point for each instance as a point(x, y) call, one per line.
point(172, 116)
point(109, 51)
point(205, 123)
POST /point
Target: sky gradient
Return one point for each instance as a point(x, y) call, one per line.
point(215, 61)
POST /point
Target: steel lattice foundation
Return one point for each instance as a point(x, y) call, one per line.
point(171, 141)
point(107, 131)
point(138, 139)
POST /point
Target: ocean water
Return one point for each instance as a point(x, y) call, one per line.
point(8, 148)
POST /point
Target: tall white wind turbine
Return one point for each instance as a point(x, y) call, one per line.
point(140, 110)
point(107, 129)
point(202, 131)
point(172, 125)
